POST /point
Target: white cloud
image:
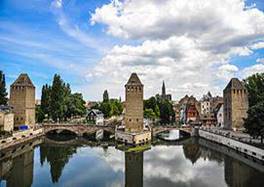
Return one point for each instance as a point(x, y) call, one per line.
point(260, 60)
point(258, 45)
point(257, 68)
point(57, 3)
point(188, 44)
point(227, 71)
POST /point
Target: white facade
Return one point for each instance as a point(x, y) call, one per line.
point(205, 107)
point(220, 117)
point(6, 121)
point(99, 120)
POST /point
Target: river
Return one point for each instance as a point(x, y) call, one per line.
point(76, 164)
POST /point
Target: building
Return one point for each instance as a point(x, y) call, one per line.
point(134, 104)
point(208, 119)
point(183, 105)
point(235, 104)
point(134, 131)
point(220, 115)
point(163, 93)
point(192, 113)
point(96, 117)
point(22, 99)
point(206, 104)
point(6, 119)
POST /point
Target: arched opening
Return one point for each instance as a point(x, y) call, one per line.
point(61, 135)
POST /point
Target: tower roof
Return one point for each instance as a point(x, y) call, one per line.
point(236, 84)
point(23, 80)
point(134, 80)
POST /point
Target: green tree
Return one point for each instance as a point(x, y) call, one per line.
point(3, 93)
point(45, 100)
point(76, 105)
point(40, 116)
point(254, 124)
point(57, 99)
point(166, 111)
point(255, 88)
point(105, 96)
point(149, 114)
point(106, 109)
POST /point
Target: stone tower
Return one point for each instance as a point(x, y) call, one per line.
point(134, 104)
point(22, 99)
point(235, 104)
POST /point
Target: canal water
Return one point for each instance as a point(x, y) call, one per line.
point(76, 164)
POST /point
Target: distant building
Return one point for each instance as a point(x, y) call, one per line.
point(38, 102)
point(208, 119)
point(192, 113)
point(206, 104)
point(6, 119)
point(22, 99)
point(235, 104)
point(220, 115)
point(96, 117)
point(90, 104)
point(134, 132)
point(177, 110)
point(163, 93)
point(183, 105)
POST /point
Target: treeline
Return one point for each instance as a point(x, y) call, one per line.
point(3, 92)
point(254, 123)
point(109, 107)
point(159, 108)
point(58, 103)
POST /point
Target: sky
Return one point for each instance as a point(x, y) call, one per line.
point(195, 46)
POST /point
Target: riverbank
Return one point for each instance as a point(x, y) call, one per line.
point(20, 137)
point(235, 143)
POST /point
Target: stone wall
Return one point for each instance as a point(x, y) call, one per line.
point(234, 144)
point(20, 137)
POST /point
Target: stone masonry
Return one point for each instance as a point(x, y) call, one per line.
point(235, 104)
point(134, 104)
point(22, 99)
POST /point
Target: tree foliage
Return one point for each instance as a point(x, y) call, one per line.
point(58, 103)
point(254, 123)
point(105, 96)
point(3, 93)
point(157, 107)
point(255, 88)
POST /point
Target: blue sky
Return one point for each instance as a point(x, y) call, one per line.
point(95, 44)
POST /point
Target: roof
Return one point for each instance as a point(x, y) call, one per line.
point(134, 80)
point(236, 84)
point(96, 112)
point(23, 80)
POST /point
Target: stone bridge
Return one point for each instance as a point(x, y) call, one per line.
point(79, 130)
point(159, 129)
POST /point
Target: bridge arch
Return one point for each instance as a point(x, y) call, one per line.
point(73, 131)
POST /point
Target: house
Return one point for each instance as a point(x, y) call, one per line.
point(220, 115)
point(208, 119)
point(206, 104)
point(192, 113)
point(96, 117)
point(6, 119)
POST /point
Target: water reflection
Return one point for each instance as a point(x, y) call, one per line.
point(134, 169)
point(57, 157)
point(18, 171)
point(195, 163)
